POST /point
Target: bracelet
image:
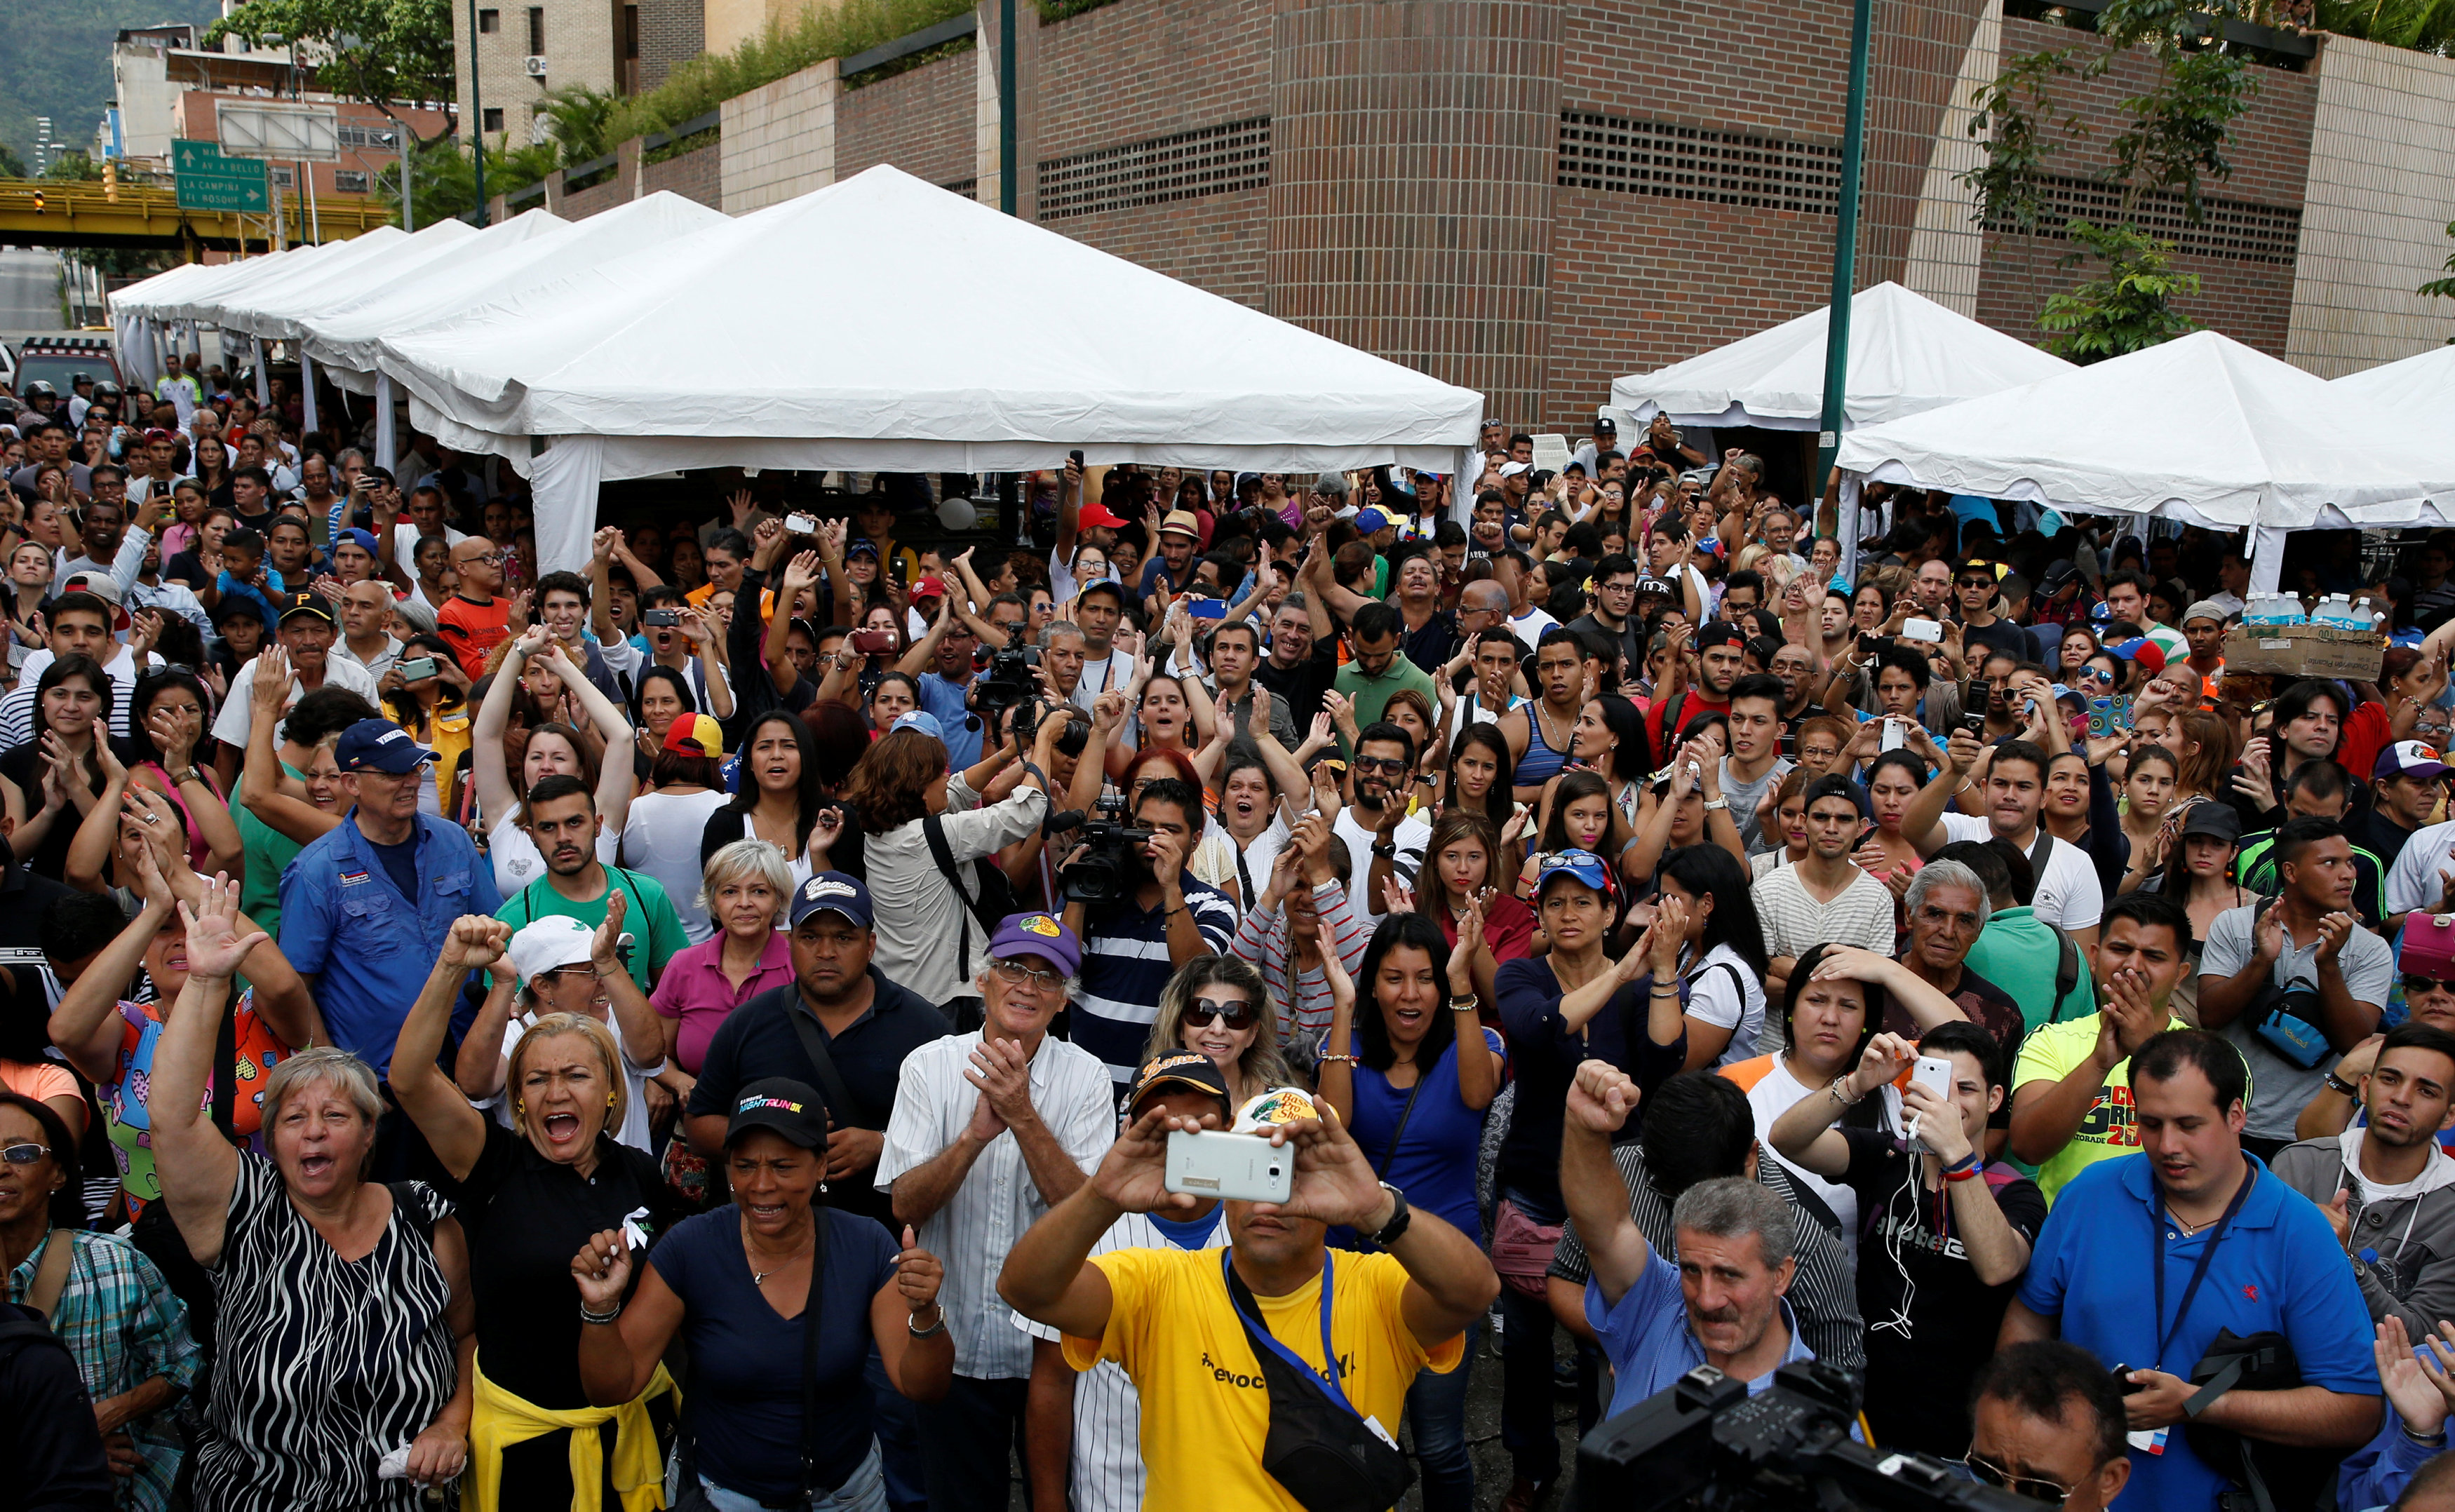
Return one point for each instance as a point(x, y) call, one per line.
point(1465, 1004)
point(2338, 1084)
point(587, 1316)
point(930, 1332)
point(1660, 991)
point(1960, 1175)
point(1967, 1162)
point(1352, 1061)
point(1841, 1097)
point(2426, 1441)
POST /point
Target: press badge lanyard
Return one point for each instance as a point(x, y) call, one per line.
point(2200, 1271)
point(1261, 1332)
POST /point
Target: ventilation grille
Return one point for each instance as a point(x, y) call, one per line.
point(1671, 161)
point(1214, 160)
point(2235, 230)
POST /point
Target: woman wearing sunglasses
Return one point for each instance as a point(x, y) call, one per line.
point(103, 1298)
point(1218, 1006)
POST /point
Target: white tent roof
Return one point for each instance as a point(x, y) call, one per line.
point(1908, 354)
point(271, 307)
point(2421, 387)
point(156, 298)
point(344, 344)
point(889, 323)
point(2201, 429)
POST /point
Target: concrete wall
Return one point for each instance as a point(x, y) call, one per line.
point(779, 139)
point(2380, 192)
point(583, 40)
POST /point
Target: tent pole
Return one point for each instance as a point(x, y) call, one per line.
point(1845, 253)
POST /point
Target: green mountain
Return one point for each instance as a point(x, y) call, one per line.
point(56, 61)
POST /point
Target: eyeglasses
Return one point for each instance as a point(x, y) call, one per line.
point(23, 1154)
point(2414, 986)
point(2037, 1486)
point(2095, 674)
point(1015, 974)
point(1975, 583)
point(1235, 1014)
point(1380, 765)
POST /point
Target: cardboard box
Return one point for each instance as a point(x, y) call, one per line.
point(2304, 651)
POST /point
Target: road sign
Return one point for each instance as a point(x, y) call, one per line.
point(206, 179)
point(289, 132)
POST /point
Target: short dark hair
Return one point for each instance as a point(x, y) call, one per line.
point(1697, 1126)
point(2410, 1035)
point(1613, 565)
point(1187, 797)
point(1970, 1039)
point(1244, 625)
point(561, 582)
point(2127, 577)
point(1902, 658)
point(2164, 1056)
point(1984, 862)
point(2147, 911)
point(77, 601)
point(1758, 685)
point(1375, 621)
point(728, 540)
point(326, 712)
point(2323, 780)
point(1744, 577)
point(2296, 836)
point(257, 474)
point(2037, 1377)
point(556, 785)
point(1385, 730)
point(77, 924)
point(2027, 750)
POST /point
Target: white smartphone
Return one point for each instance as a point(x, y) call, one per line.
point(1926, 630)
point(1892, 733)
point(802, 524)
point(1241, 1167)
point(1935, 1074)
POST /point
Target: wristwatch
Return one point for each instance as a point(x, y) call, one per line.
point(1384, 848)
point(1711, 804)
point(1399, 1214)
point(185, 776)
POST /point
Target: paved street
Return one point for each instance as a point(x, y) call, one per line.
point(30, 292)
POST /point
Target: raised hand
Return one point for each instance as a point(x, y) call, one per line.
point(215, 948)
point(475, 941)
point(1601, 1097)
point(601, 1269)
point(605, 948)
point(1002, 1073)
point(1133, 1175)
point(918, 1274)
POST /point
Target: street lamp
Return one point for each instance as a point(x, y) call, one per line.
point(478, 115)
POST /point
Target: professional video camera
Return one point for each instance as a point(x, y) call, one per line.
point(1704, 1443)
point(1004, 678)
point(1106, 872)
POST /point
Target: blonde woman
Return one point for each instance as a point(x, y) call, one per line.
point(541, 1184)
point(1218, 1006)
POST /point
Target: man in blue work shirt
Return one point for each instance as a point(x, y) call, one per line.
point(365, 908)
point(2225, 1244)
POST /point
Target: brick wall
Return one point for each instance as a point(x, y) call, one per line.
point(671, 32)
point(1148, 68)
point(779, 139)
point(919, 120)
point(595, 197)
point(694, 175)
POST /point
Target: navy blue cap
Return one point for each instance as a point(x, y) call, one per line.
point(381, 745)
point(833, 892)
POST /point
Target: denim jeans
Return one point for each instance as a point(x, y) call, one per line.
point(1436, 1416)
point(864, 1490)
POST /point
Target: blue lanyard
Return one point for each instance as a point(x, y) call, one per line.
point(1328, 1376)
point(2200, 1272)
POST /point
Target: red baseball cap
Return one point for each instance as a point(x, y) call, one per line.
point(930, 588)
point(1099, 514)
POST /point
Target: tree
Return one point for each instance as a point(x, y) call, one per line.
point(2128, 307)
point(12, 166)
point(575, 117)
point(380, 53)
point(444, 182)
point(75, 168)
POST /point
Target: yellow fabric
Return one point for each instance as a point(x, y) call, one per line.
point(2109, 1131)
point(450, 742)
point(501, 1419)
point(1206, 1411)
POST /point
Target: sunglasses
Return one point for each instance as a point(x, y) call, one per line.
point(1379, 764)
point(2052, 1492)
point(23, 1154)
point(2095, 674)
point(2415, 985)
point(1235, 1014)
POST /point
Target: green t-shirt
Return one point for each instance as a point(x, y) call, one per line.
point(651, 920)
point(2021, 954)
point(268, 854)
point(1371, 695)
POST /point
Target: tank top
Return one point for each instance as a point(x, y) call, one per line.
point(1542, 762)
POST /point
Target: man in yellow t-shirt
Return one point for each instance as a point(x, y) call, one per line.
point(1168, 1317)
point(2071, 1094)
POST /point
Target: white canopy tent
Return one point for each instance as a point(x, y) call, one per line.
point(2420, 387)
point(1908, 354)
point(144, 312)
point(903, 328)
point(2200, 429)
point(265, 308)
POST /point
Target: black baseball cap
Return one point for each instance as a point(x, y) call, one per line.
point(305, 601)
point(1719, 633)
point(1179, 1068)
point(789, 1108)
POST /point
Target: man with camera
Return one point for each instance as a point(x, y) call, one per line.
point(2228, 1250)
point(1189, 1326)
point(1720, 1301)
point(990, 1130)
point(1132, 944)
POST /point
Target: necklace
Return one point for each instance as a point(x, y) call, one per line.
point(1545, 727)
point(759, 1277)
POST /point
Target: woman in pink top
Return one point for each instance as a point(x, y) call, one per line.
point(745, 890)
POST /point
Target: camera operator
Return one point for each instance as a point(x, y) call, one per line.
point(1952, 1234)
point(1171, 1317)
point(1133, 945)
point(2048, 1424)
point(2199, 1209)
point(1720, 1303)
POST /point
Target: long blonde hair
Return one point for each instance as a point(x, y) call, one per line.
point(1262, 1064)
point(609, 1056)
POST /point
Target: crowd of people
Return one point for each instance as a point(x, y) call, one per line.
point(716, 1029)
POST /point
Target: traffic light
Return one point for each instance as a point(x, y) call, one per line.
point(38, 202)
point(110, 179)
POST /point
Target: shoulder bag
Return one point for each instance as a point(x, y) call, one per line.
point(1319, 1449)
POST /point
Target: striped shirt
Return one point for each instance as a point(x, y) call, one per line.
point(1125, 962)
point(1794, 922)
point(123, 1326)
point(999, 1199)
point(1107, 1459)
point(1263, 942)
point(1824, 1294)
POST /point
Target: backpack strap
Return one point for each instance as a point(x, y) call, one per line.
point(934, 830)
point(2066, 972)
point(52, 1276)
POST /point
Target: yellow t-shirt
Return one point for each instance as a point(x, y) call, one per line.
point(2048, 1055)
point(1205, 1409)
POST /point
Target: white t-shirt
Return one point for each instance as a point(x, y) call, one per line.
point(634, 1132)
point(518, 862)
point(405, 535)
point(1415, 832)
point(660, 839)
point(1529, 626)
point(2412, 880)
point(1112, 670)
point(237, 718)
point(2069, 895)
point(1722, 992)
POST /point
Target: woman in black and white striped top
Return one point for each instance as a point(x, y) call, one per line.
point(346, 1317)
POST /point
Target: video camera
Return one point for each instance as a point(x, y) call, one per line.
point(1005, 678)
point(1704, 1443)
point(1106, 872)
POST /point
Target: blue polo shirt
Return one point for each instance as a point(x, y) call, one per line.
point(943, 700)
point(369, 947)
point(2278, 1267)
point(1647, 1339)
point(1126, 963)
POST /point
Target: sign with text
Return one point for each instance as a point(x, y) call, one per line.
point(207, 179)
